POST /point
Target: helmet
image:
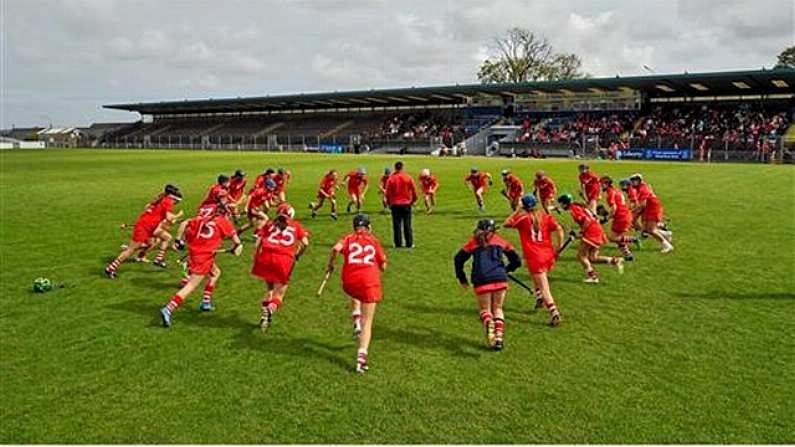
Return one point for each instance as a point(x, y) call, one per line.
point(583, 167)
point(540, 174)
point(361, 170)
point(529, 201)
point(474, 170)
point(270, 184)
point(387, 171)
point(486, 225)
point(505, 172)
point(41, 285)
point(269, 171)
point(239, 174)
point(222, 179)
point(280, 170)
point(361, 220)
point(171, 190)
point(566, 199)
point(285, 210)
point(636, 176)
point(425, 173)
point(624, 183)
point(606, 181)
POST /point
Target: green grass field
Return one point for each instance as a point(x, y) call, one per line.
point(693, 347)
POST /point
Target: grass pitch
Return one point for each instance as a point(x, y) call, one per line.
point(694, 347)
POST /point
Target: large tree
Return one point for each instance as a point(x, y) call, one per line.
point(787, 58)
point(520, 56)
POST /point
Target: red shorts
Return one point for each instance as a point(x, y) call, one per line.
point(594, 235)
point(593, 195)
point(653, 211)
point(330, 194)
point(513, 196)
point(621, 223)
point(201, 264)
point(365, 294)
point(273, 268)
point(480, 190)
point(355, 191)
point(143, 231)
point(540, 261)
point(493, 287)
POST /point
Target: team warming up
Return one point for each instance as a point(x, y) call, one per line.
point(630, 207)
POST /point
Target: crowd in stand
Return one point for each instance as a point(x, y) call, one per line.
point(608, 127)
point(422, 126)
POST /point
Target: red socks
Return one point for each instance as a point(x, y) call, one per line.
point(208, 293)
point(273, 304)
point(174, 303)
point(113, 265)
point(485, 316)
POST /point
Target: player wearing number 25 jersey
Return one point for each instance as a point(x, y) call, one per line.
point(363, 262)
point(280, 243)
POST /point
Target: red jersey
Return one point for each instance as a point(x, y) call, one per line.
point(328, 183)
point(582, 216)
point(363, 257)
point(534, 239)
point(382, 182)
point(644, 192)
point(155, 212)
point(616, 200)
point(281, 181)
point(429, 184)
point(513, 185)
point(591, 183)
point(204, 236)
point(632, 195)
point(356, 180)
point(400, 189)
point(215, 194)
point(258, 197)
point(236, 188)
point(478, 180)
point(545, 187)
point(280, 241)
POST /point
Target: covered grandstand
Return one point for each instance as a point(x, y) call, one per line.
point(740, 113)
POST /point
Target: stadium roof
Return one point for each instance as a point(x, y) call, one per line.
point(750, 82)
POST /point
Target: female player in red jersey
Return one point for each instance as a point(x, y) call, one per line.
point(327, 190)
point(513, 188)
point(489, 276)
point(237, 196)
point(651, 211)
point(218, 193)
point(203, 235)
point(280, 243)
point(478, 180)
point(589, 187)
point(282, 178)
point(357, 187)
point(257, 206)
point(621, 217)
point(632, 199)
point(592, 237)
point(545, 190)
point(382, 188)
point(363, 262)
point(536, 229)
point(148, 226)
point(430, 184)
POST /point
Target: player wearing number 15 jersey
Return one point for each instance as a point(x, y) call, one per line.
point(280, 243)
point(364, 260)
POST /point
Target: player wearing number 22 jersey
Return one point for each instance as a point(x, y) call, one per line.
point(280, 243)
point(363, 262)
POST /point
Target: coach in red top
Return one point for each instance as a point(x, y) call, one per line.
point(401, 193)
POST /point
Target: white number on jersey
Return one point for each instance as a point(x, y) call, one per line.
point(207, 230)
point(361, 254)
point(284, 237)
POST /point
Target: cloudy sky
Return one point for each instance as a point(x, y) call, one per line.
point(62, 59)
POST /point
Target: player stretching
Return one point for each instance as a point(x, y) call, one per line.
point(217, 194)
point(429, 185)
point(282, 178)
point(257, 206)
point(153, 224)
point(327, 190)
point(382, 188)
point(513, 188)
point(363, 262)
point(478, 181)
point(545, 190)
point(621, 216)
point(357, 187)
point(592, 237)
point(632, 198)
point(589, 187)
point(535, 229)
point(280, 243)
point(260, 180)
point(651, 211)
point(237, 198)
point(203, 235)
point(489, 277)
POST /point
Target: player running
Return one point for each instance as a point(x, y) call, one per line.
point(429, 185)
point(237, 196)
point(258, 205)
point(217, 194)
point(513, 188)
point(589, 187)
point(621, 217)
point(260, 180)
point(363, 262)
point(632, 198)
point(282, 178)
point(592, 237)
point(651, 211)
point(152, 226)
point(203, 235)
point(382, 188)
point(478, 181)
point(327, 190)
point(545, 190)
point(489, 277)
point(536, 229)
point(357, 187)
point(280, 243)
